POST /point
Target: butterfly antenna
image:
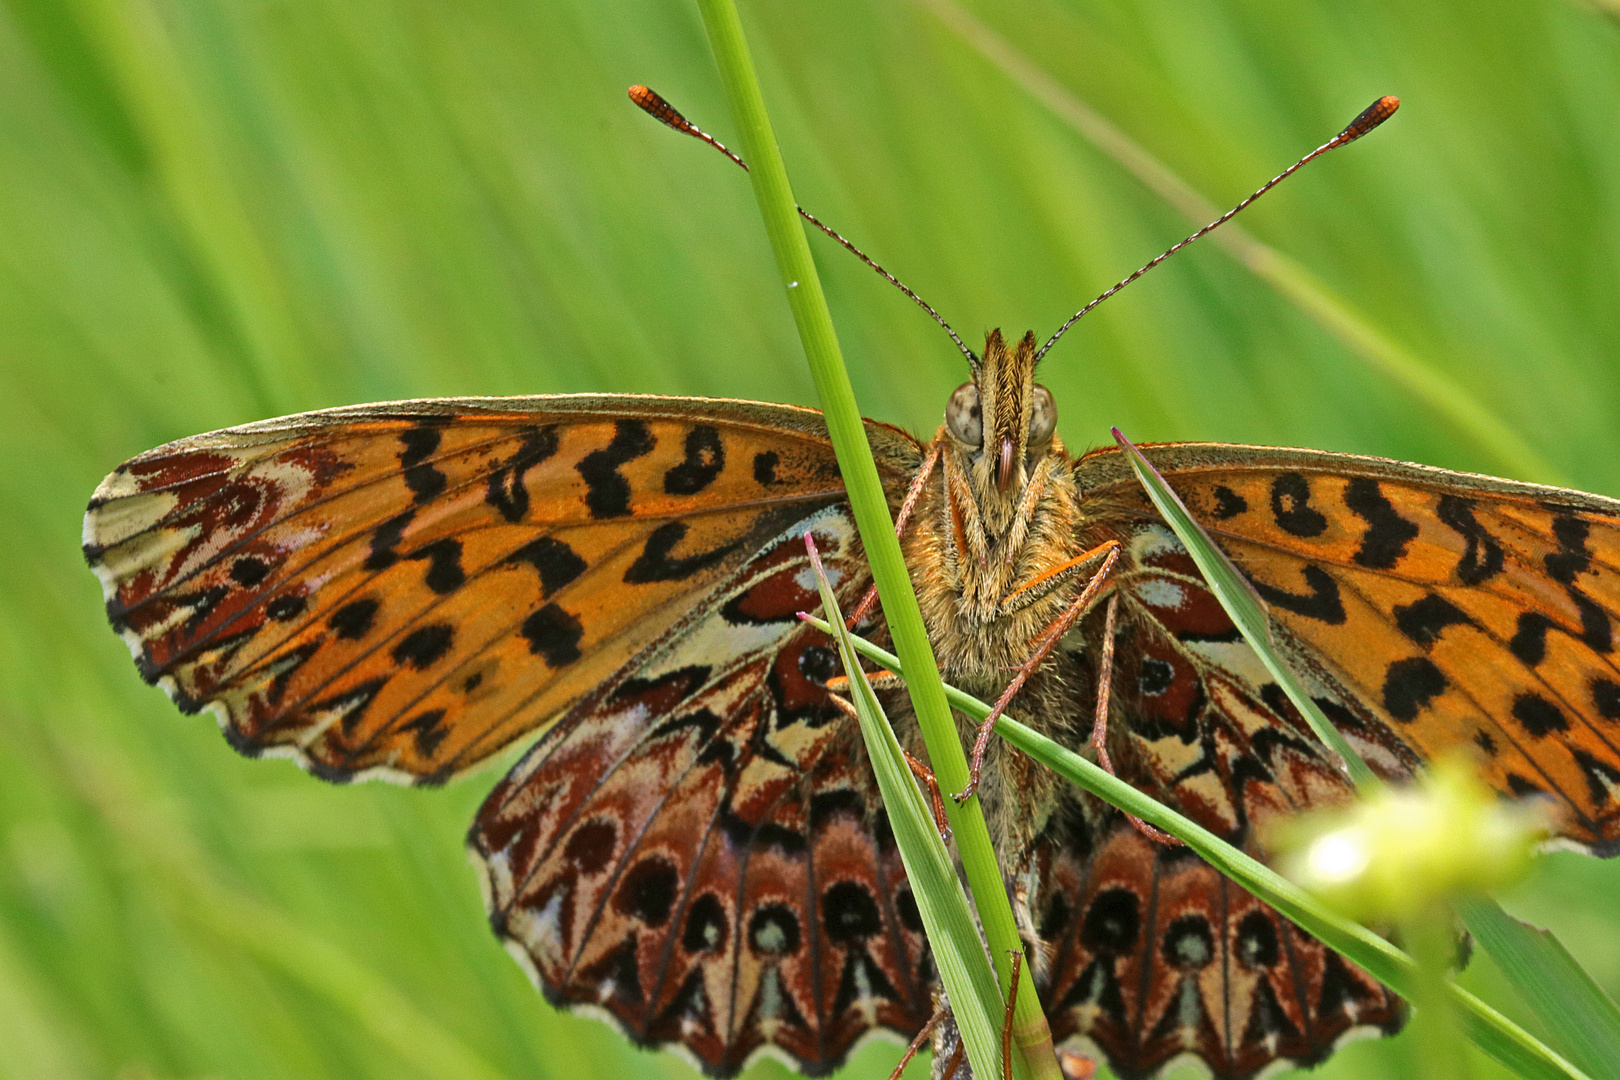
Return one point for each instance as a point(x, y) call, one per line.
point(654, 105)
point(1371, 117)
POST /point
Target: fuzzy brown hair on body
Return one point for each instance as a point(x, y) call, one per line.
point(990, 527)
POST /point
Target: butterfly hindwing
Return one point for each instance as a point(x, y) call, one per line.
point(1445, 610)
point(726, 879)
point(1155, 955)
point(404, 589)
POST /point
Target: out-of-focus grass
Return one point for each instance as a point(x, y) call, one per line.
point(215, 212)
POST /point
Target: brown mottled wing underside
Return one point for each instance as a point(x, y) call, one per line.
point(1156, 955)
point(729, 881)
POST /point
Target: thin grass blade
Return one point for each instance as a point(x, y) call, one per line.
point(964, 966)
point(1581, 1019)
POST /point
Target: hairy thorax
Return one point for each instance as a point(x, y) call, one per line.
point(982, 567)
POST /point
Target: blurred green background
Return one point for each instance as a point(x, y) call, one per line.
point(213, 212)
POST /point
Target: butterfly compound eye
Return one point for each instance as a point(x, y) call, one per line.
point(964, 418)
point(1042, 418)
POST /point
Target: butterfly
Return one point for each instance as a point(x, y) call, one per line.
point(692, 843)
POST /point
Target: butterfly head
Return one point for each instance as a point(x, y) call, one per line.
point(1002, 421)
point(1000, 425)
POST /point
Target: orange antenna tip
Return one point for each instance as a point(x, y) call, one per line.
point(653, 104)
point(1370, 117)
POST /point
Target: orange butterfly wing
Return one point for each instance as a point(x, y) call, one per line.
point(1444, 609)
point(404, 589)
point(401, 590)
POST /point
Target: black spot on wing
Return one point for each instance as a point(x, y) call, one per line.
point(705, 459)
point(1523, 788)
point(1155, 676)
point(774, 930)
point(849, 913)
point(1188, 943)
point(705, 926)
point(248, 571)
point(1529, 642)
point(655, 563)
point(1322, 603)
point(555, 562)
point(648, 891)
point(1384, 543)
point(1566, 564)
point(444, 573)
point(1482, 557)
point(428, 729)
point(765, 463)
point(554, 634)
point(1256, 944)
point(507, 491)
point(1291, 506)
point(1112, 922)
point(385, 541)
point(819, 663)
point(1483, 740)
point(1571, 558)
point(1606, 696)
point(1424, 620)
point(353, 620)
point(1228, 503)
point(425, 645)
point(417, 445)
point(1409, 686)
point(285, 607)
point(1539, 716)
point(1596, 630)
point(608, 493)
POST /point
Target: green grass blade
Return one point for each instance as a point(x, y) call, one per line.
point(1580, 1018)
point(1489, 1030)
point(963, 965)
point(1244, 607)
point(871, 509)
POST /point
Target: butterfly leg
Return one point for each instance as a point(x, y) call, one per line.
point(1045, 644)
point(922, 772)
point(913, 493)
point(1099, 725)
point(922, 1036)
point(925, 776)
point(878, 680)
point(1007, 1018)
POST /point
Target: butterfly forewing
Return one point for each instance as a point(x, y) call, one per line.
point(1447, 610)
point(407, 588)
